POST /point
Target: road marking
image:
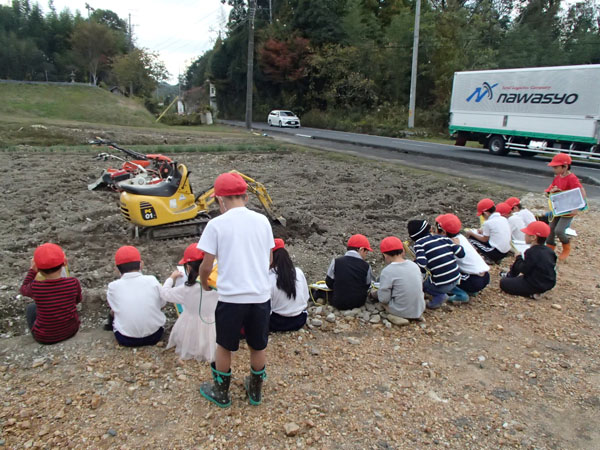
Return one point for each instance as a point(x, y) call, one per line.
point(304, 135)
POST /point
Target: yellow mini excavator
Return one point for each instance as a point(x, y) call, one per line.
point(169, 209)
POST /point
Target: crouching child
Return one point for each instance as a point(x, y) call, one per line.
point(535, 271)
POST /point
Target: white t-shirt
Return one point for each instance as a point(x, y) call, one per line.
point(526, 215)
point(241, 240)
point(516, 225)
point(281, 303)
point(135, 301)
point(472, 263)
point(498, 230)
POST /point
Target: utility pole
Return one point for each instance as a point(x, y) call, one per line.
point(270, 11)
point(413, 72)
point(250, 71)
point(130, 34)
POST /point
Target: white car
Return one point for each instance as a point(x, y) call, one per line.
point(283, 119)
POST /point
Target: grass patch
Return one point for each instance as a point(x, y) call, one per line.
point(80, 103)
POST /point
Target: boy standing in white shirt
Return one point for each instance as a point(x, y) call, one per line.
point(242, 241)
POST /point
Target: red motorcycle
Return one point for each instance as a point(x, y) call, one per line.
point(141, 170)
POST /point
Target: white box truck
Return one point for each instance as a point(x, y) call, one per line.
point(533, 110)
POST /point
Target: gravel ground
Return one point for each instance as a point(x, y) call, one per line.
point(499, 371)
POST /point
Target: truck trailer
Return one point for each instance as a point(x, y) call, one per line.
point(533, 110)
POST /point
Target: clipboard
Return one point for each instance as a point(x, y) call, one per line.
point(562, 203)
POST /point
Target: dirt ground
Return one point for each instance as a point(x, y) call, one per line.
point(500, 371)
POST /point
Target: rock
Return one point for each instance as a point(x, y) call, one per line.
point(43, 431)
point(353, 340)
point(387, 323)
point(564, 365)
point(314, 351)
point(68, 401)
point(60, 414)
point(499, 328)
point(330, 317)
point(316, 322)
point(112, 432)
point(319, 310)
point(96, 402)
point(146, 366)
point(26, 424)
point(181, 377)
point(375, 318)
point(349, 313)
point(291, 429)
point(365, 315)
point(481, 358)
point(535, 354)
point(397, 320)
point(38, 362)
point(556, 306)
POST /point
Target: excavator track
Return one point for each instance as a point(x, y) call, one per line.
point(177, 230)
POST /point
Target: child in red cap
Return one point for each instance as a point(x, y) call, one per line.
point(350, 276)
point(400, 282)
point(514, 220)
point(193, 334)
point(289, 291)
point(241, 240)
point(493, 240)
point(474, 272)
point(135, 302)
point(517, 208)
point(53, 315)
point(535, 271)
point(564, 180)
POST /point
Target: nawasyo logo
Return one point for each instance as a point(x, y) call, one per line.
point(486, 90)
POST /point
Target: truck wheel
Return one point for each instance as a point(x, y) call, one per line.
point(461, 139)
point(497, 145)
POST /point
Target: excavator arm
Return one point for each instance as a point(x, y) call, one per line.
point(206, 199)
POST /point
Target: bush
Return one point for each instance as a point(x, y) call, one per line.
point(188, 119)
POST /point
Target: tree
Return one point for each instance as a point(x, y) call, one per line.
point(140, 71)
point(93, 44)
point(284, 61)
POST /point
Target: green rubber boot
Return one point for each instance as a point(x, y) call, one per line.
point(253, 384)
point(217, 391)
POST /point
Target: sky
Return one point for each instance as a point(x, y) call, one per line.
point(179, 30)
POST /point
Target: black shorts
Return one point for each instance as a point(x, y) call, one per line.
point(231, 317)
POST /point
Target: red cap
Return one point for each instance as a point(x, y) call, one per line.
point(390, 243)
point(359, 241)
point(537, 228)
point(449, 223)
point(512, 202)
point(278, 244)
point(192, 253)
point(48, 256)
point(484, 205)
point(562, 159)
point(127, 254)
point(503, 208)
point(229, 183)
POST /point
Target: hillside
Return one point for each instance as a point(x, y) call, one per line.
point(70, 102)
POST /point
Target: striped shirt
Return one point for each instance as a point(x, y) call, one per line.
point(55, 300)
point(437, 254)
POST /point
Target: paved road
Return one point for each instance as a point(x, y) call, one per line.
point(531, 174)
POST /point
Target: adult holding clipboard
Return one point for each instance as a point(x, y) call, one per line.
point(566, 205)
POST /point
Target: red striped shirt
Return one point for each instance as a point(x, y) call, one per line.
point(55, 301)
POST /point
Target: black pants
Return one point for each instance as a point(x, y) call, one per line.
point(518, 286)
point(282, 323)
point(474, 283)
point(127, 341)
point(31, 314)
point(485, 249)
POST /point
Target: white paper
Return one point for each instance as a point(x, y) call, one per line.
point(567, 201)
point(181, 280)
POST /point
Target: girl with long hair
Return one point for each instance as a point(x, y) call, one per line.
point(289, 292)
